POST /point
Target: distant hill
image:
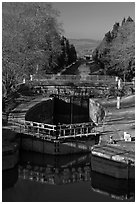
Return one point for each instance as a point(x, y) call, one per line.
point(116, 52)
point(84, 46)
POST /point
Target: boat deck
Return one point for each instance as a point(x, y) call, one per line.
point(117, 160)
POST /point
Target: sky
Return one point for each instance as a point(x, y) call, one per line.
point(91, 20)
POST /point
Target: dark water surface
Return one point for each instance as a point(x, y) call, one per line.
point(45, 178)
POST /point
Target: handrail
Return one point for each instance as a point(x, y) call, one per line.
point(52, 131)
point(31, 123)
point(76, 124)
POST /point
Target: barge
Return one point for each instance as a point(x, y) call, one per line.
point(115, 160)
point(57, 125)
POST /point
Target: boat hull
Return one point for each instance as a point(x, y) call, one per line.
point(112, 168)
point(116, 160)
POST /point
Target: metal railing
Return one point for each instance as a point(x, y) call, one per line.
point(52, 132)
point(39, 130)
point(76, 130)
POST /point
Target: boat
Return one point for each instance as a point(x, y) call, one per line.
point(116, 160)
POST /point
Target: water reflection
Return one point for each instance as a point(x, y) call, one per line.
point(121, 189)
point(54, 170)
point(9, 178)
point(63, 170)
point(70, 169)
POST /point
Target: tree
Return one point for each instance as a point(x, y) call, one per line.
point(123, 22)
point(31, 38)
point(73, 54)
point(117, 56)
point(68, 54)
point(115, 30)
point(108, 37)
point(129, 19)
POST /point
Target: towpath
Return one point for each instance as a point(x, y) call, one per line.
point(119, 121)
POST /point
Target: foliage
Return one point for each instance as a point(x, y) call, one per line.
point(30, 38)
point(31, 42)
point(116, 53)
point(68, 54)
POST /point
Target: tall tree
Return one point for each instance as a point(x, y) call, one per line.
point(118, 55)
point(73, 54)
point(31, 38)
point(68, 54)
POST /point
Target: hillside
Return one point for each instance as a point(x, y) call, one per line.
point(116, 52)
point(84, 46)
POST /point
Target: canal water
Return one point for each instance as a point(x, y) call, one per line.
point(82, 68)
point(47, 178)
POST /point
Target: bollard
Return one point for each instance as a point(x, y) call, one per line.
point(119, 84)
point(127, 137)
point(116, 78)
point(111, 140)
point(24, 80)
point(118, 102)
point(31, 77)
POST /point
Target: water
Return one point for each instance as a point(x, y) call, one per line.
point(45, 178)
point(84, 69)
